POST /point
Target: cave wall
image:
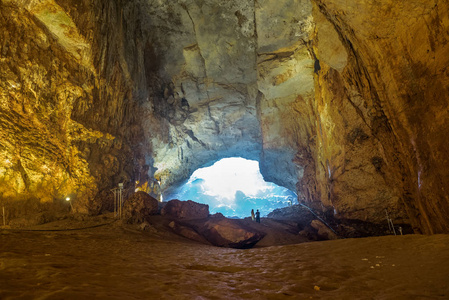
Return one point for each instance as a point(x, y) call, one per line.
point(343, 101)
point(204, 87)
point(383, 117)
point(70, 110)
point(234, 79)
point(286, 89)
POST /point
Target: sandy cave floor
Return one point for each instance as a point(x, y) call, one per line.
point(116, 262)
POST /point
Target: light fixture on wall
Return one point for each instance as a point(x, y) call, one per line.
point(68, 200)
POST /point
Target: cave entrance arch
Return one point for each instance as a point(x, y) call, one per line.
point(233, 186)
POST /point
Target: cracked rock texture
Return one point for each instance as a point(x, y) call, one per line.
point(70, 112)
point(234, 79)
point(382, 118)
point(343, 101)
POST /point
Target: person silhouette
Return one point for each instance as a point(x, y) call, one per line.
point(257, 216)
point(252, 214)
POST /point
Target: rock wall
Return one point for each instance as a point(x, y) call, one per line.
point(382, 117)
point(286, 89)
point(204, 87)
point(343, 101)
point(70, 115)
point(234, 78)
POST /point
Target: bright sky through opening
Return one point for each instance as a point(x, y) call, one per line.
point(229, 175)
point(234, 186)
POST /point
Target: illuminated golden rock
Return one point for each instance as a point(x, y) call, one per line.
point(343, 101)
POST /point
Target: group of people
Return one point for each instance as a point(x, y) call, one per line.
point(255, 216)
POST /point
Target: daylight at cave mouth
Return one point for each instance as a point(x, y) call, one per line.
point(233, 186)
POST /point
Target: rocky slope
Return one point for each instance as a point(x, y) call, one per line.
point(343, 101)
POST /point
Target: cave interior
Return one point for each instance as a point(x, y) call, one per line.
point(342, 102)
point(113, 105)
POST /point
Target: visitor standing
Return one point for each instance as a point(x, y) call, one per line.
point(257, 216)
point(252, 214)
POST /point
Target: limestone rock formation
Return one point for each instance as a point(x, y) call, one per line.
point(298, 213)
point(204, 90)
point(223, 232)
point(381, 118)
point(70, 116)
point(190, 222)
point(343, 101)
point(185, 210)
point(233, 78)
point(187, 232)
point(139, 206)
point(324, 232)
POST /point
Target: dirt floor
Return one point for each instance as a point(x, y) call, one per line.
point(121, 262)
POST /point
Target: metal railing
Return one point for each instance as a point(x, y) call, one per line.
point(391, 225)
point(118, 200)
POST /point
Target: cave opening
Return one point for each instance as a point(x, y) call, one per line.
point(233, 186)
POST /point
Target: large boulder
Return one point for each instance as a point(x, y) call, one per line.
point(138, 206)
point(298, 213)
point(186, 210)
point(187, 232)
point(324, 232)
point(223, 232)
